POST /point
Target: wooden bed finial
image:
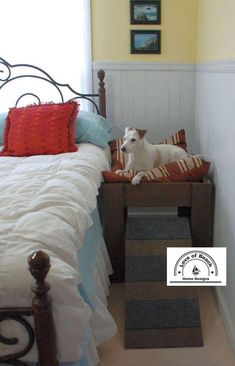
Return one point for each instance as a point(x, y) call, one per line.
point(101, 74)
point(39, 265)
point(102, 92)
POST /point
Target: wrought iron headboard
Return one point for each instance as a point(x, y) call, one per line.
point(13, 73)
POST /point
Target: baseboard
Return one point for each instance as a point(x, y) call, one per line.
point(230, 330)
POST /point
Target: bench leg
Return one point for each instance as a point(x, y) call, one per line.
point(113, 220)
point(202, 212)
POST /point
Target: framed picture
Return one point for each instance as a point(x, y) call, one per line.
point(145, 41)
point(145, 12)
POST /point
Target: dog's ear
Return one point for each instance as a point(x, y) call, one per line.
point(128, 129)
point(141, 132)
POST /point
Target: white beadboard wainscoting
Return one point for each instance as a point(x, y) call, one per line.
point(166, 97)
point(214, 133)
point(158, 97)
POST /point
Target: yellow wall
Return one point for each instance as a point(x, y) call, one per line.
point(111, 31)
point(216, 30)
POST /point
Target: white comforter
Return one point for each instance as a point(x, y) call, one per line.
point(45, 204)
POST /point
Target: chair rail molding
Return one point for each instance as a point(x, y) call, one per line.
point(144, 66)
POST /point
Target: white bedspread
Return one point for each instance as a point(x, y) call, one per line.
point(45, 204)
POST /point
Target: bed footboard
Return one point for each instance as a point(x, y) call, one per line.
point(41, 310)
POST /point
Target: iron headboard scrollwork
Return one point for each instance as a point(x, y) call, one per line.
point(17, 315)
point(33, 76)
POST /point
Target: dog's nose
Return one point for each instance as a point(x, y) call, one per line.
point(123, 149)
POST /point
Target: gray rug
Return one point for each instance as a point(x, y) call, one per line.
point(146, 268)
point(158, 228)
point(172, 313)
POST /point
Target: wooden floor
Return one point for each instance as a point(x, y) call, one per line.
point(215, 352)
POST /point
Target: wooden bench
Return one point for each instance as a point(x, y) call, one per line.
point(115, 198)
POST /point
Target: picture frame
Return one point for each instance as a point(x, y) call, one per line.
point(145, 41)
point(145, 12)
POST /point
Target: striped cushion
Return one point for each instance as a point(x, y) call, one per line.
point(177, 139)
point(119, 159)
point(191, 169)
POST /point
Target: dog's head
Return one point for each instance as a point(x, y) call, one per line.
point(132, 140)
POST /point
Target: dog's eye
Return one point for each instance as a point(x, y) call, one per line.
point(133, 140)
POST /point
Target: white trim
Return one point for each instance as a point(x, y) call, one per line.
point(226, 317)
point(216, 66)
point(142, 66)
point(225, 66)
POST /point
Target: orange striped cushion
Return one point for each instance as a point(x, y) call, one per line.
point(177, 139)
point(191, 169)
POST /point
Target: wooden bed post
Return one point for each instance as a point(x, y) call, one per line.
point(102, 92)
point(39, 265)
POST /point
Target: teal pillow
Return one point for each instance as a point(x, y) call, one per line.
point(93, 128)
point(3, 116)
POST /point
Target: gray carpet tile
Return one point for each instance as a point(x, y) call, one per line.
point(147, 268)
point(163, 338)
point(171, 313)
point(167, 227)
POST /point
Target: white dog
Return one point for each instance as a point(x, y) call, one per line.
point(144, 156)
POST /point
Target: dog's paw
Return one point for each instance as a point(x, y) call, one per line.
point(119, 171)
point(136, 180)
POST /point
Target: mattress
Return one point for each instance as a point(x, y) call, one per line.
point(46, 203)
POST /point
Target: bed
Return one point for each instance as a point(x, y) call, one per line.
point(85, 289)
point(50, 226)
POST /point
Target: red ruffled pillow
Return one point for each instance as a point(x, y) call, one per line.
point(40, 129)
